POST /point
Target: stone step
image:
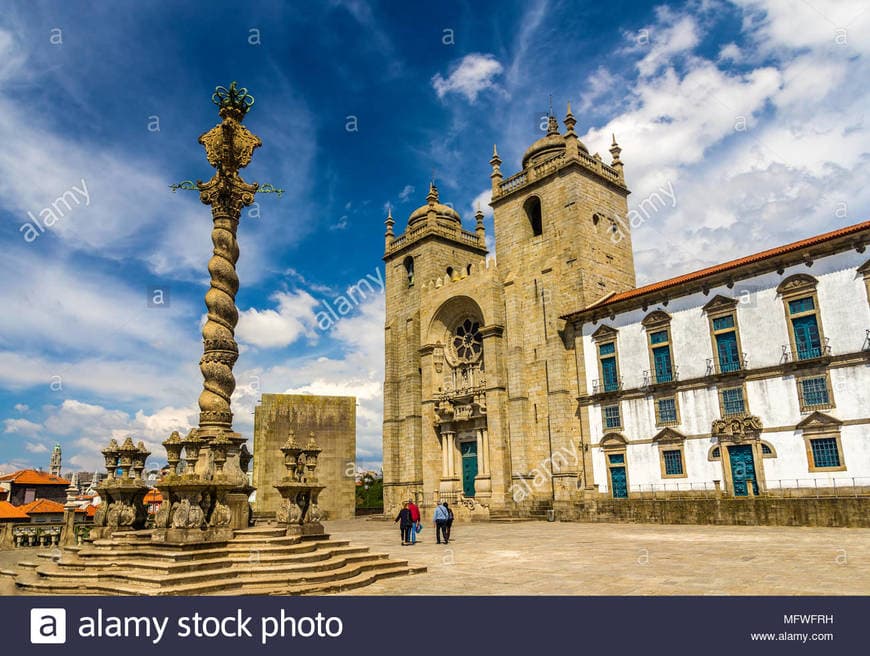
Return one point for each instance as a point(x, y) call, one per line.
point(165, 552)
point(165, 568)
point(265, 583)
point(325, 561)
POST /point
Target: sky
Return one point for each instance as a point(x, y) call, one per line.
point(752, 112)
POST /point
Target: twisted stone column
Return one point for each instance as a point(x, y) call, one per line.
point(229, 147)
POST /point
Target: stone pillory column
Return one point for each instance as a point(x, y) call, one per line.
point(208, 499)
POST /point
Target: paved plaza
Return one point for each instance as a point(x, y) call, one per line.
point(540, 558)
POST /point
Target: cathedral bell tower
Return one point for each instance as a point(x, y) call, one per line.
point(434, 245)
point(562, 242)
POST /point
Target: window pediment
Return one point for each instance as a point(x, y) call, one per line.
point(604, 333)
point(668, 436)
point(718, 303)
point(613, 440)
point(819, 422)
point(656, 318)
point(800, 282)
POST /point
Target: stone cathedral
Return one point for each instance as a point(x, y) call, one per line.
point(481, 381)
point(543, 379)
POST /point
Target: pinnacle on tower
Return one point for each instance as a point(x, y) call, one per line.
point(480, 229)
point(390, 222)
point(570, 121)
point(615, 150)
point(552, 125)
point(432, 196)
point(496, 175)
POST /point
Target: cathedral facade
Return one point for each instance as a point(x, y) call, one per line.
point(510, 382)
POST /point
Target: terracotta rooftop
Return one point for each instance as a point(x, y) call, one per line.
point(726, 266)
point(42, 506)
point(153, 496)
point(34, 477)
point(8, 511)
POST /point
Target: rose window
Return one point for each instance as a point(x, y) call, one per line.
point(467, 341)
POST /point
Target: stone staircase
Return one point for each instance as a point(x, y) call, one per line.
point(260, 560)
point(535, 510)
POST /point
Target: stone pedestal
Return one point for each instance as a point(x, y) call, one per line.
point(197, 510)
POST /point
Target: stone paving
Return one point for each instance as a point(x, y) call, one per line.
point(540, 558)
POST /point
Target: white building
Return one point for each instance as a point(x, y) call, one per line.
point(749, 377)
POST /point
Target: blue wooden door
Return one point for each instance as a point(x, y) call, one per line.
point(727, 346)
point(742, 469)
point(469, 466)
point(618, 483)
point(662, 359)
point(608, 370)
point(806, 337)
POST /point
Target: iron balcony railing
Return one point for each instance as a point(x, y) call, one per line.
point(734, 366)
point(807, 352)
point(607, 385)
point(653, 377)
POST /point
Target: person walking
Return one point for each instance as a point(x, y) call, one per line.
point(441, 517)
point(415, 520)
point(404, 519)
point(449, 520)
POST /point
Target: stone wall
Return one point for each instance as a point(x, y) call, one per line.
point(759, 511)
point(332, 419)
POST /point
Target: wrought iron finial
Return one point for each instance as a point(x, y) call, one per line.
point(186, 185)
point(233, 98)
point(268, 188)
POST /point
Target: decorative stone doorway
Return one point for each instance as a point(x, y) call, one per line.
point(468, 450)
point(742, 464)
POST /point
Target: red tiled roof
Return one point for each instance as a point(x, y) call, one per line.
point(42, 506)
point(8, 511)
point(727, 266)
point(34, 477)
point(153, 496)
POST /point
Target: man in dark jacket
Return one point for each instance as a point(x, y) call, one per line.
point(404, 519)
point(449, 524)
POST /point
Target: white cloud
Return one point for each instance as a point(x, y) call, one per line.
point(36, 447)
point(757, 158)
point(21, 427)
point(88, 427)
point(730, 53)
point(482, 200)
point(22, 407)
point(600, 84)
point(341, 224)
point(473, 74)
point(406, 192)
point(672, 35)
point(293, 318)
point(782, 24)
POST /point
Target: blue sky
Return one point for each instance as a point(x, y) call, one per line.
point(752, 111)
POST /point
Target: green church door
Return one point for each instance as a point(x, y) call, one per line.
point(469, 466)
point(742, 469)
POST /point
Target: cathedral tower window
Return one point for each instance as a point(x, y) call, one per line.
point(532, 208)
point(409, 270)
